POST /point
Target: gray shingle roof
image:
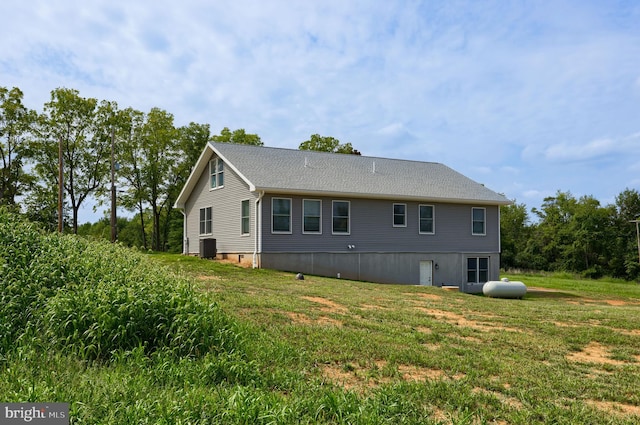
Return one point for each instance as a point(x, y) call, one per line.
point(307, 172)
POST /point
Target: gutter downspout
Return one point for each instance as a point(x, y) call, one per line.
point(257, 249)
point(499, 231)
point(185, 238)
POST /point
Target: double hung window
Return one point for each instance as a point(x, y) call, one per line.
point(399, 215)
point(340, 215)
point(311, 216)
point(216, 173)
point(426, 218)
point(478, 220)
point(205, 221)
point(281, 215)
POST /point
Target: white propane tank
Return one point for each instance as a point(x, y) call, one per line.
point(504, 288)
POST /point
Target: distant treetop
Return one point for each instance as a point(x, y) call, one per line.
point(327, 144)
point(239, 136)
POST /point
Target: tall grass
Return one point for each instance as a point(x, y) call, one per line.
point(96, 299)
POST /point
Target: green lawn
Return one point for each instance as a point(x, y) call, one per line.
point(567, 354)
point(324, 350)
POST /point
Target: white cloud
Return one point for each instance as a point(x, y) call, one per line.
point(519, 88)
point(594, 149)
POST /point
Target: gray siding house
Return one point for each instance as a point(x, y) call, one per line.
point(347, 216)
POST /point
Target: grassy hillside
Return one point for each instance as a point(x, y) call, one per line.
point(272, 349)
point(568, 353)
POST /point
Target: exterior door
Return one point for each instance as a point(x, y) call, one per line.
point(426, 273)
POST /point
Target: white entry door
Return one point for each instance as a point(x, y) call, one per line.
point(426, 273)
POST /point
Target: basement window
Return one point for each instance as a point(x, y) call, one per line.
point(477, 269)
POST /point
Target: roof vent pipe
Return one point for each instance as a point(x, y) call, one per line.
point(373, 168)
point(306, 162)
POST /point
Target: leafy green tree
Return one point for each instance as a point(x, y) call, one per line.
point(552, 232)
point(160, 163)
point(193, 139)
point(131, 158)
point(624, 259)
point(238, 136)
point(15, 124)
point(326, 144)
point(591, 230)
point(82, 125)
point(514, 232)
point(573, 235)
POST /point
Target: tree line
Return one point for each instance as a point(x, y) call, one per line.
point(150, 158)
point(574, 235)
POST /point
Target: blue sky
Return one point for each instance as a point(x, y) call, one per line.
point(526, 97)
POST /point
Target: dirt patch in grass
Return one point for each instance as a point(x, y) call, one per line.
point(303, 319)
point(424, 330)
point(611, 302)
point(577, 325)
point(504, 399)
point(630, 332)
point(352, 377)
point(593, 353)
point(431, 347)
point(300, 318)
point(206, 278)
point(324, 320)
point(431, 297)
point(615, 408)
point(328, 306)
point(419, 374)
point(372, 307)
point(469, 339)
point(208, 282)
point(459, 320)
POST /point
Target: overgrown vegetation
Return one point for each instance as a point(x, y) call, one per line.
point(97, 299)
point(122, 338)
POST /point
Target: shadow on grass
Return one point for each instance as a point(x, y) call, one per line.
point(549, 293)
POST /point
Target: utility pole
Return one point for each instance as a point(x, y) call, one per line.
point(60, 185)
point(637, 235)
point(114, 221)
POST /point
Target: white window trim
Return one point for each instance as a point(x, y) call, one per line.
point(348, 219)
point(433, 219)
point(393, 215)
point(205, 220)
point(484, 233)
point(213, 163)
point(248, 201)
point(280, 232)
point(307, 232)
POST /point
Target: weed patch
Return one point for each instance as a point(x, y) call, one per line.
point(96, 299)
